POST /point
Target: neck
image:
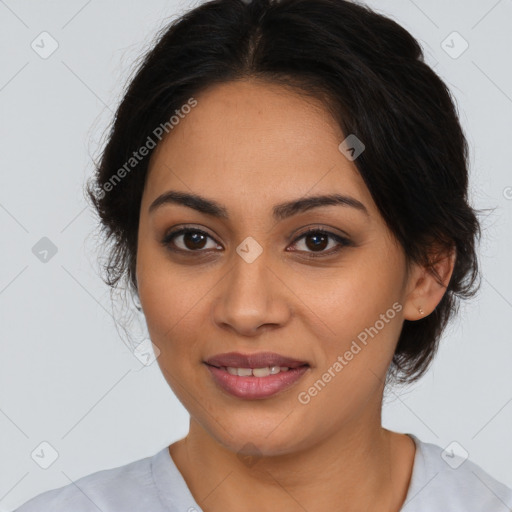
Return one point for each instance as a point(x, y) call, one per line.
point(362, 467)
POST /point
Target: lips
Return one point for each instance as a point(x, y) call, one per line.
point(258, 360)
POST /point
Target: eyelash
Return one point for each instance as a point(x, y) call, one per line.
point(344, 242)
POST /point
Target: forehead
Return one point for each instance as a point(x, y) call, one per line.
point(253, 143)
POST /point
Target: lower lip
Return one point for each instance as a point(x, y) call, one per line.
point(253, 388)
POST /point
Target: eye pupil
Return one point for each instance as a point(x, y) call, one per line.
point(194, 241)
point(323, 243)
point(191, 239)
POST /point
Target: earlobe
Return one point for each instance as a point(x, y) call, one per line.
point(428, 284)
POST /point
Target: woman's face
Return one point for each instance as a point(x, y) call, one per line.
point(252, 283)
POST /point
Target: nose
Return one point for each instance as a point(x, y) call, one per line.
point(251, 298)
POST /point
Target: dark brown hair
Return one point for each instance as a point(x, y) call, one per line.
point(370, 74)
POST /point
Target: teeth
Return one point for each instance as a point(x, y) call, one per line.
point(256, 372)
point(261, 372)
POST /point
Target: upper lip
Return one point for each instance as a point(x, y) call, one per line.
point(258, 360)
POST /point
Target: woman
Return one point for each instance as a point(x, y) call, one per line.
point(285, 190)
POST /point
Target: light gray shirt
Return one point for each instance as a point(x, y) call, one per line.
point(440, 482)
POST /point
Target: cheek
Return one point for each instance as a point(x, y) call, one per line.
point(172, 307)
point(353, 296)
point(362, 307)
point(352, 366)
point(170, 299)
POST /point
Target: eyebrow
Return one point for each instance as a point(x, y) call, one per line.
point(280, 211)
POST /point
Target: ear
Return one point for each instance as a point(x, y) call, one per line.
point(427, 283)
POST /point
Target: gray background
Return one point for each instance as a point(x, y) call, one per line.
point(66, 376)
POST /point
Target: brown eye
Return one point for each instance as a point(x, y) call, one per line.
point(317, 240)
point(193, 240)
point(188, 240)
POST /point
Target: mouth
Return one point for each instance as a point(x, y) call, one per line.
point(254, 372)
point(255, 376)
point(260, 360)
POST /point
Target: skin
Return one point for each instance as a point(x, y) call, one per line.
point(250, 145)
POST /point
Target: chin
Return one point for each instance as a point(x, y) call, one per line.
point(260, 440)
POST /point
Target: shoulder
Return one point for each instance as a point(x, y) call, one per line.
point(127, 487)
point(443, 480)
